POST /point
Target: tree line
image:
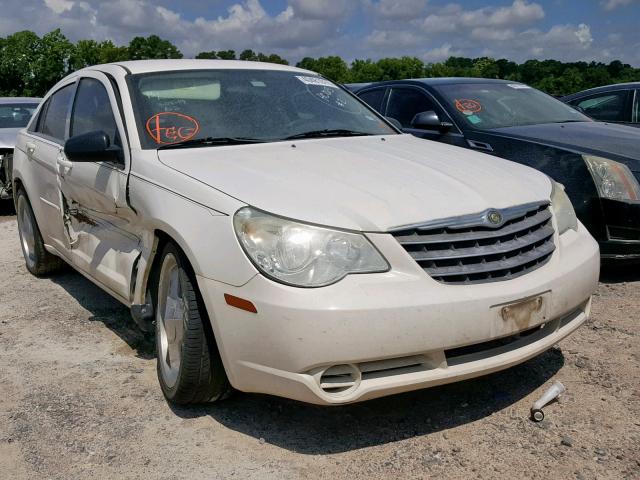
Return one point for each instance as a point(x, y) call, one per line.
point(31, 64)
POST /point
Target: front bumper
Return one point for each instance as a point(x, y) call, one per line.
point(623, 231)
point(378, 334)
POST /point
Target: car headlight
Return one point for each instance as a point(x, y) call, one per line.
point(613, 180)
point(303, 255)
point(563, 209)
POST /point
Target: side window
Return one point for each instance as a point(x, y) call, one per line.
point(405, 103)
point(608, 106)
point(36, 126)
point(92, 110)
point(374, 98)
point(636, 107)
point(54, 122)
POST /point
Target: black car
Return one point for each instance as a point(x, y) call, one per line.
point(599, 163)
point(614, 103)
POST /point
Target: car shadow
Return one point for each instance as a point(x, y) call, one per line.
point(314, 430)
point(621, 273)
point(109, 311)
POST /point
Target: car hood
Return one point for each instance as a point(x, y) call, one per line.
point(362, 183)
point(8, 137)
point(594, 138)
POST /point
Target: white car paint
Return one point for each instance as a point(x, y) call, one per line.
point(366, 184)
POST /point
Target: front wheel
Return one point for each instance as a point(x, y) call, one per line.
point(189, 366)
point(38, 261)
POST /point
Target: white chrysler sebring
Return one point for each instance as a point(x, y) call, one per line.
point(284, 238)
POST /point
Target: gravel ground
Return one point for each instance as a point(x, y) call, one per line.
point(80, 400)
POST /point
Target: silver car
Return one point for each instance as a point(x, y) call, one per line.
point(15, 113)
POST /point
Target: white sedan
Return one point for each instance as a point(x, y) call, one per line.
point(284, 238)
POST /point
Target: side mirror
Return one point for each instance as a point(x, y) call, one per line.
point(92, 147)
point(430, 120)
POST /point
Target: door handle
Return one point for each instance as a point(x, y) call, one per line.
point(31, 148)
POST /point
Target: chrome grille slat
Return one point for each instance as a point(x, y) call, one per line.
point(463, 251)
point(417, 239)
point(494, 249)
point(483, 267)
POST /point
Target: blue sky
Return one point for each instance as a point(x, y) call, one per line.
point(432, 30)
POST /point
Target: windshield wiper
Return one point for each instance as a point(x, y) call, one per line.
point(337, 132)
point(211, 141)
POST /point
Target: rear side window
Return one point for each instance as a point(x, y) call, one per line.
point(406, 103)
point(608, 106)
point(374, 98)
point(636, 107)
point(54, 121)
point(92, 110)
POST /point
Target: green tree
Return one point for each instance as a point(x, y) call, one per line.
point(405, 67)
point(365, 71)
point(227, 54)
point(332, 67)
point(90, 52)
point(152, 47)
point(212, 55)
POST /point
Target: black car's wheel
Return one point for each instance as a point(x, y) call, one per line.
point(189, 366)
point(38, 261)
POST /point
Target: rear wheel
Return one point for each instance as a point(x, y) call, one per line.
point(189, 366)
point(38, 261)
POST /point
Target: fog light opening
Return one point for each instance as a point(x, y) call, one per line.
point(340, 379)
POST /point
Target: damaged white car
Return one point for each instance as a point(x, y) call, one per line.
point(281, 237)
point(15, 113)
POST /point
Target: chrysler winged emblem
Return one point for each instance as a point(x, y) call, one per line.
point(494, 217)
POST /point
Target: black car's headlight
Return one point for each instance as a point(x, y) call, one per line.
point(303, 255)
point(613, 180)
point(563, 209)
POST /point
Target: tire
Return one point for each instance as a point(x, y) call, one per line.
point(38, 261)
point(189, 366)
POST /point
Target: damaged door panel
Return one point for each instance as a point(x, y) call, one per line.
point(99, 225)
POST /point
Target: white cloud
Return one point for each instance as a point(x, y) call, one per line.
point(59, 6)
point(613, 4)
point(397, 9)
point(440, 53)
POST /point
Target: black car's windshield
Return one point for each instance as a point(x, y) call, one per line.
point(497, 105)
point(16, 115)
point(250, 105)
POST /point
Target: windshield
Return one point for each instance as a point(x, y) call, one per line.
point(16, 115)
point(497, 105)
point(259, 105)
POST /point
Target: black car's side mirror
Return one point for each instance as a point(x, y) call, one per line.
point(92, 147)
point(430, 120)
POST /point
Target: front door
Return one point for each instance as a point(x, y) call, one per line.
point(404, 103)
point(99, 224)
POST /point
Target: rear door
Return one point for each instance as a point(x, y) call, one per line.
point(44, 143)
point(100, 236)
point(611, 106)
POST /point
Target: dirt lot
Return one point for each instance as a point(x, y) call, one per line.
point(79, 399)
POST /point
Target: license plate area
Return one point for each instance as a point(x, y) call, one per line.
point(526, 313)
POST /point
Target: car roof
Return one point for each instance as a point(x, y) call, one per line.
point(148, 66)
point(5, 100)
point(605, 88)
point(435, 81)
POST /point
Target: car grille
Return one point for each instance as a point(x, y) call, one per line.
point(467, 250)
